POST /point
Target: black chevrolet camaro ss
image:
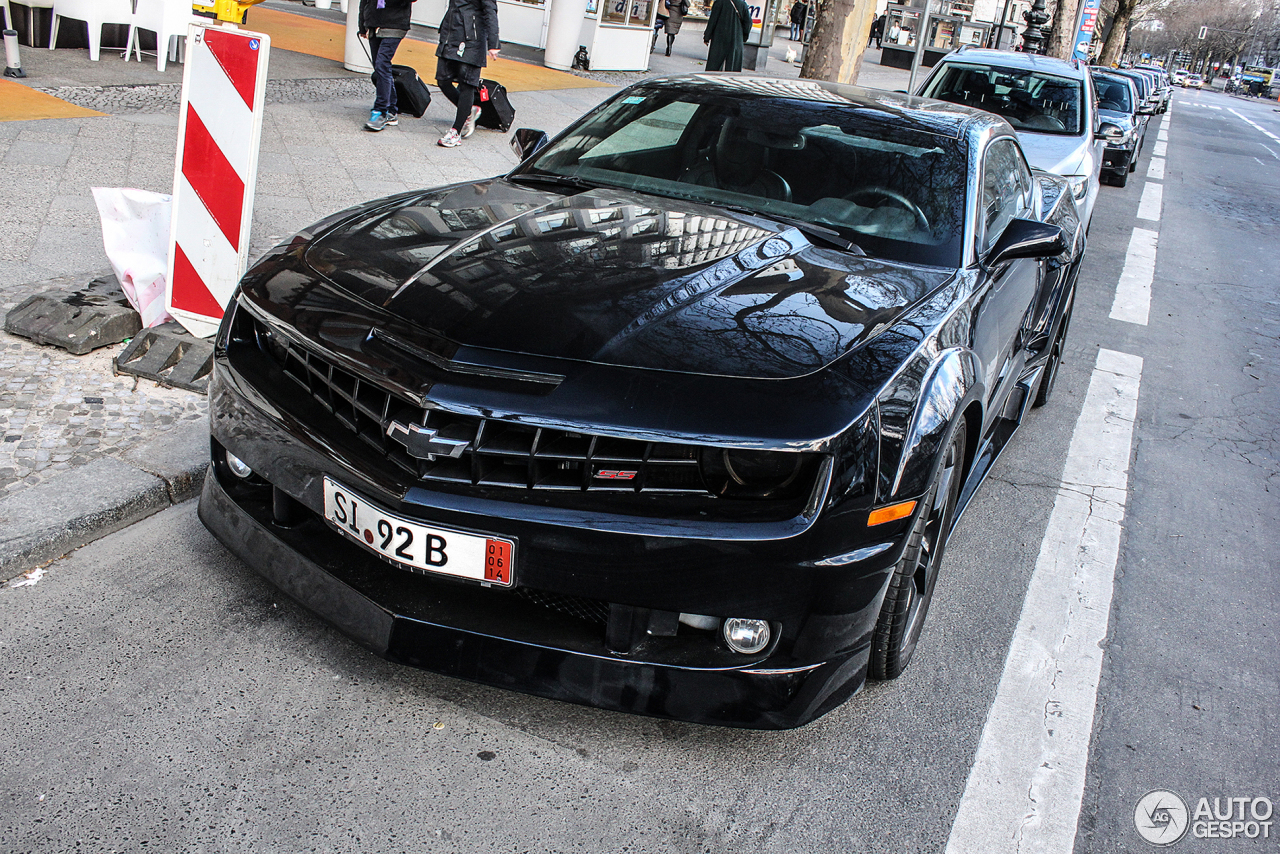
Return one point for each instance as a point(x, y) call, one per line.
point(675, 418)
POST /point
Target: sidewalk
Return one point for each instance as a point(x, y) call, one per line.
point(83, 452)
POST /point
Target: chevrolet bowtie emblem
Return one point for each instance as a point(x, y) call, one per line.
point(425, 443)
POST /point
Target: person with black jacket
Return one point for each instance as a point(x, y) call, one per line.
point(384, 23)
point(727, 29)
point(468, 39)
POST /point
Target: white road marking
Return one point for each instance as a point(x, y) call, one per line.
point(1256, 126)
point(1152, 199)
point(1272, 153)
point(1156, 169)
point(1027, 781)
point(1133, 292)
point(1163, 135)
point(1158, 150)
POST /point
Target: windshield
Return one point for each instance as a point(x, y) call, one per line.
point(1113, 93)
point(1030, 100)
point(862, 172)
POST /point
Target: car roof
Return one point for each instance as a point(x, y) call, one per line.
point(941, 118)
point(1013, 59)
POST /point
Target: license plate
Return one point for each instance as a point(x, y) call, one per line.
point(424, 548)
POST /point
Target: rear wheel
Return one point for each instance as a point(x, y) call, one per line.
point(911, 588)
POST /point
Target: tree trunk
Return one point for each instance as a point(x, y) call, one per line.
point(1114, 45)
point(1064, 29)
point(840, 32)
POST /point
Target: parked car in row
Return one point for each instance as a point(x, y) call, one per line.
point(676, 417)
point(1048, 101)
point(1161, 86)
point(1123, 123)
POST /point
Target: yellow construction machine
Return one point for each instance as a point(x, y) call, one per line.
point(232, 11)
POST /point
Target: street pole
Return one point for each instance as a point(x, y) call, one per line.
point(1004, 16)
point(1033, 36)
point(920, 41)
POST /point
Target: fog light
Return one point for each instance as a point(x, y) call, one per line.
point(746, 636)
point(238, 466)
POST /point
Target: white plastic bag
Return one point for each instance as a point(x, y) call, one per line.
point(135, 233)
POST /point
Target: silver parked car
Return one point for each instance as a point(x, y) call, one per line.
point(1050, 103)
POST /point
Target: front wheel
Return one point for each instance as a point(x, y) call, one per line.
point(1050, 374)
point(911, 588)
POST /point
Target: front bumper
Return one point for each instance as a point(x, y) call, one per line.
point(1116, 161)
point(399, 617)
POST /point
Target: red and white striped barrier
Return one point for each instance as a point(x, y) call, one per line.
point(223, 86)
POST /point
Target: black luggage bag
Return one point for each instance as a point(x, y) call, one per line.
point(496, 111)
point(412, 95)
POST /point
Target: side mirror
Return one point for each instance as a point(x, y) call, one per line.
point(527, 142)
point(1026, 238)
point(1146, 110)
point(1112, 134)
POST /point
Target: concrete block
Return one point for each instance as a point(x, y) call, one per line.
point(77, 321)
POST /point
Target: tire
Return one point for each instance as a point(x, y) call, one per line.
point(910, 591)
point(1050, 374)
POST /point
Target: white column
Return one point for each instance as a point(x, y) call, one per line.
point(354, 54)
point(563, 31)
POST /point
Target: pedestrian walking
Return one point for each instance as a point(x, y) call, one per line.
point(799, 17)
point(728, 26)
point(468, 40)
point(676, 10)
point(384, 23)
point(877, 31)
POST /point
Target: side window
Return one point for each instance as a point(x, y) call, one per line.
point(1006, 190)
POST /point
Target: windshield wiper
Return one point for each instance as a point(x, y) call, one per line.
point(809, 229)
point(558, 180)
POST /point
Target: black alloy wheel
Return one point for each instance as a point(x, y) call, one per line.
point(1050, 374)
point(911, 588)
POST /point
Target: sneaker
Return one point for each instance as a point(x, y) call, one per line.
point(450, 140)
point(393, 119)
point(377, 122)
point(469, 126)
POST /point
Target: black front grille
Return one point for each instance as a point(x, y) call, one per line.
point(498, 453)
point(501, 453)
point(588, 610)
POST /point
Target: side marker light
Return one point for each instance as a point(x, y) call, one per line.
point(892, 513)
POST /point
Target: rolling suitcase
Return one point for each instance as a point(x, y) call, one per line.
point(412, 95)
point(496, 111)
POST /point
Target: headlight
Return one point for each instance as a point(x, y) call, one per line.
point(735, 473)
point(1079, 186)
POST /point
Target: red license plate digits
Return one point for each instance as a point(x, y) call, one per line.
point(497, 561)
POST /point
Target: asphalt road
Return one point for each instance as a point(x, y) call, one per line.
point(157, 694)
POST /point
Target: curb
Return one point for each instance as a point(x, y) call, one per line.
point(53, 518)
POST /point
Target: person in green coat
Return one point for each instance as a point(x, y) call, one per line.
point(727, 29)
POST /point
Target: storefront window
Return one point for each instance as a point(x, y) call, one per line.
point(628, 13)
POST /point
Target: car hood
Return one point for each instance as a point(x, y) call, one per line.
point(615, 277)
point(1062, 155)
